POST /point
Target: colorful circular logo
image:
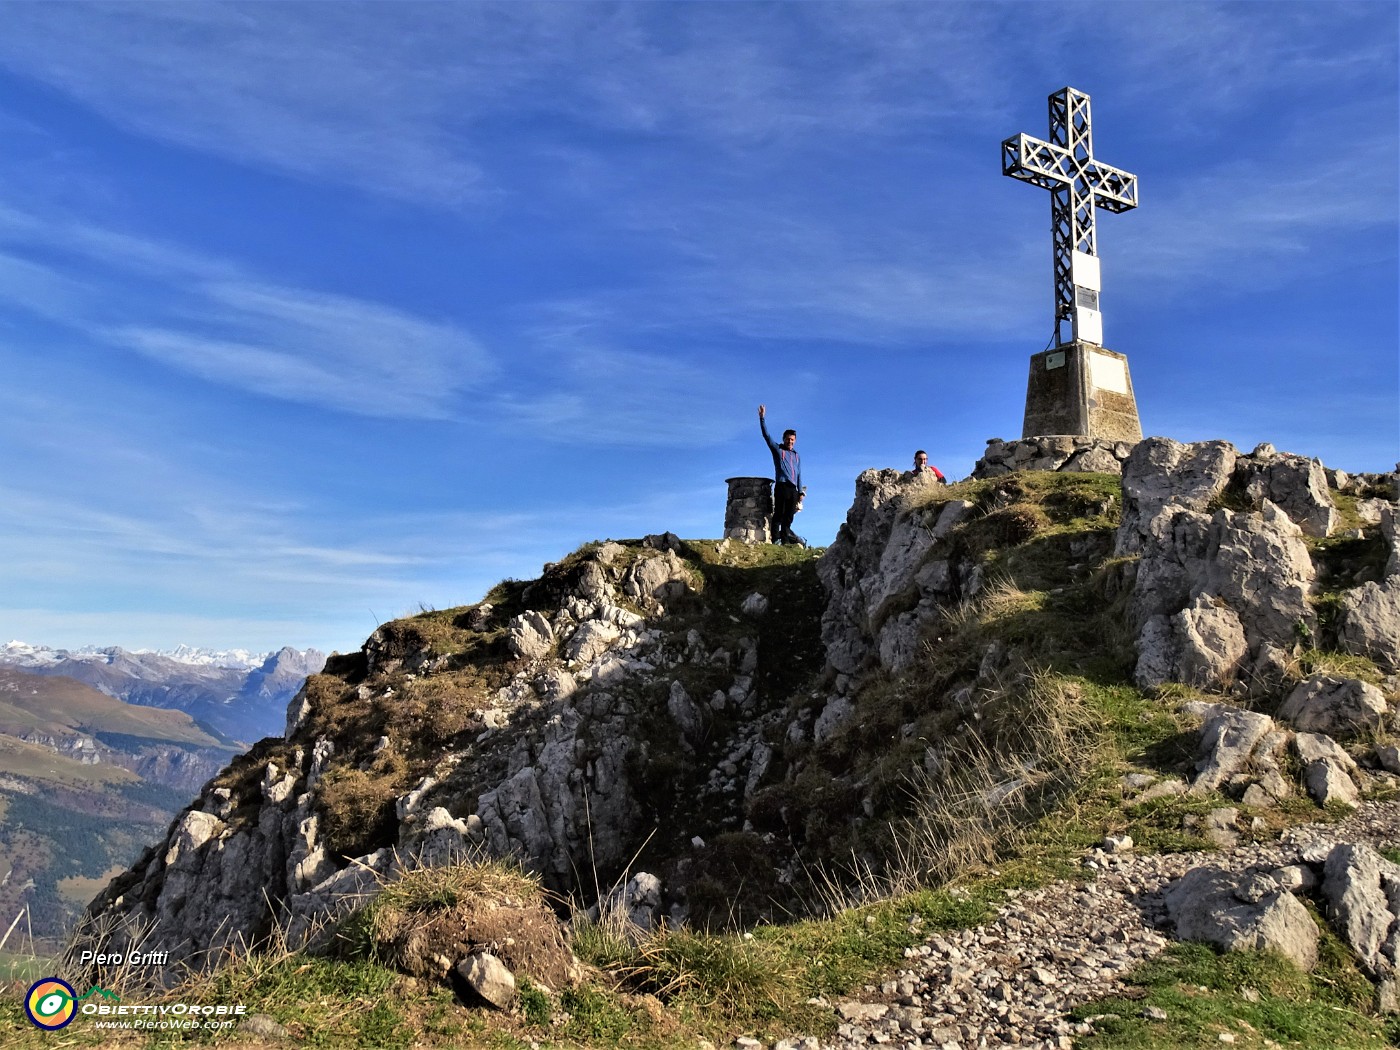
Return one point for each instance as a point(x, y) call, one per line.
point(51, 1003)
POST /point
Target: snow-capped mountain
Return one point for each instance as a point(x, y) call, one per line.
point(237, 694)
point(22, 654)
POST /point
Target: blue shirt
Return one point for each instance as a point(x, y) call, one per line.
point(787, 464)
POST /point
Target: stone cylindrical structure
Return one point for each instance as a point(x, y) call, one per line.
point(748, 511)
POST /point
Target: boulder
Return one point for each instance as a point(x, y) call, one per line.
point(684, 713)
point(638, 903)
point(1327, 770)
point(755, 605)
point(555, 684)
point(1359, 886)
point(488, 977)
point(1259, 565)
point(1228, 739)
point(1230, 911)
point(1369, 623)
point(593, 584)
point(656, 580)
point(1162, 476)
point(529, 635)
point(1338, 707)
point(591, 640)
point(1295, 484)
point(437, 838)
point(1201, 646)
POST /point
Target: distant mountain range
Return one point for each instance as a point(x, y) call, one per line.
point(85, 781)
point(237, 696)
point(100, 747)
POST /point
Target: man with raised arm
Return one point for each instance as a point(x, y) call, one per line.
point(787, 481)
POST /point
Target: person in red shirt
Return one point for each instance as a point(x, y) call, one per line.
point(923, 466)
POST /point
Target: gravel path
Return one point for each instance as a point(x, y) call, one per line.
point(1012, 981)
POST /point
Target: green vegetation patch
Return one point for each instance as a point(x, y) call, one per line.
point(759, 982)
point(1258, 998)
point(322, 1002)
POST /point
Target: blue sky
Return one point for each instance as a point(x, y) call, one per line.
point(313, 313)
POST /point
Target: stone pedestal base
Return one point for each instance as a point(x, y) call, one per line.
point(1082, 390)
point(749, 509)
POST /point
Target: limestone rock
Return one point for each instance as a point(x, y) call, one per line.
point(1259, 565)
point(662, 541)
point(657, 580)
point(684, 712)
point(1296, 484)
point(1355, 884)
point(529, 635)
point(555, 684)
point(1338, 707)
point(835, 714)
point(1372, 510)
point(1328, 769)
point(488, 977)
point(261, 1026)
point(755, 605)
point(1228, 739)
point(638, 902)
point(591, 640)
point(437, 838)
point(1202, 646)
point(1052, 452)
point(852, 557)
point(1161, 475)
point(1209, 904)
point(593, 584)
point(1369, 624)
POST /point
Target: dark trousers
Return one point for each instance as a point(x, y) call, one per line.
point(784, 507)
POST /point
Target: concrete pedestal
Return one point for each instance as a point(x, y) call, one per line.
point(749, 509)
point(1082, 390)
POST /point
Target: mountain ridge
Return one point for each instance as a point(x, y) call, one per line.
point(915, 702)
point(236, 694)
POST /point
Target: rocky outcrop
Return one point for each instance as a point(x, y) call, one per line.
point(624, 691)
point(1339, 707)
point(1295, 484)
point(1216, 595)
point(1369, 621)
point(545, 770)
point(1081, 455)
point(1235, 914)
point(890, 571)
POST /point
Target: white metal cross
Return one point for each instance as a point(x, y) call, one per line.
point(1078, 184)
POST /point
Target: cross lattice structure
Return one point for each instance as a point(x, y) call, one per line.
point(1078, 184)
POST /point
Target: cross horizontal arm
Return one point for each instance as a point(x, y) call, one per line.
point(1114, 190)
point(1035, 161)
point(1050, 166)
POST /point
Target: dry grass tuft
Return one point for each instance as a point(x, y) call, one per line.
point(425, 921)
point(1034, 743)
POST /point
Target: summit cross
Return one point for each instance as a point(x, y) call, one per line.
point(1078, 183)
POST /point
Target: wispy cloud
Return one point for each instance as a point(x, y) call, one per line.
point(202, 316)
point(401, 99)
point(318, 349)
point(1273, 212)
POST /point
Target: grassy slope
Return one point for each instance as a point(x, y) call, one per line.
point(1055, 608)
point(61, 706)
point(68, 823)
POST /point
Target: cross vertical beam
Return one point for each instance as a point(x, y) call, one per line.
point(1078, 183)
